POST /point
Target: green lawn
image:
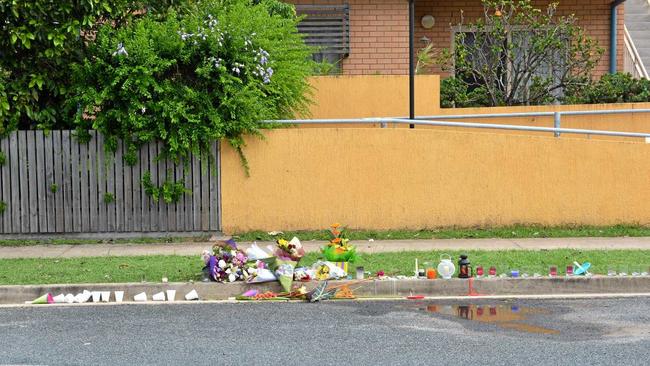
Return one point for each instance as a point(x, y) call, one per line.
point(517, 231)
point(179, 268)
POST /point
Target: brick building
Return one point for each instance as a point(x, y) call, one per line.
point(378, 37)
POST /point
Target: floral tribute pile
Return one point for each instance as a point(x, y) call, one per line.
point(226, 263)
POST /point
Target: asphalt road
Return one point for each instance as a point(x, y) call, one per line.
point(566, 332)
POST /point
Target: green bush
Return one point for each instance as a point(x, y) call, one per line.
point(39, 39)
point(454, 93)
point(611, 88)
point(5, 108)
point(215, 71)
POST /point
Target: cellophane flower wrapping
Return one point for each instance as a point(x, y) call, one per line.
point(259, 271)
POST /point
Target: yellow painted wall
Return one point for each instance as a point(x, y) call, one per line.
point(365, 96)
point(399, 178)
point(630, 122)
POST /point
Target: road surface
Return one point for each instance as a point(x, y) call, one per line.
point(557, 332)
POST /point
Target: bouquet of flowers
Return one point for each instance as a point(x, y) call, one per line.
point(284, 273)
point(226, 263)
point(339, 249)
point(290, 250)
point(259, 272)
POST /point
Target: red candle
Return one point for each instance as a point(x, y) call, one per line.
point(569, 270)
point(479, 271)
point(553, 271)
point(493, 271)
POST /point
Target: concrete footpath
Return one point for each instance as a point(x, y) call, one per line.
point(377, 246)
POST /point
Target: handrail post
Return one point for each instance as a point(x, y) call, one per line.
point(557, 119)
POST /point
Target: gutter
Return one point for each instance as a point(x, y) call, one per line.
point(613, 35)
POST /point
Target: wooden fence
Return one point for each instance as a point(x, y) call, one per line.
point(52, 184)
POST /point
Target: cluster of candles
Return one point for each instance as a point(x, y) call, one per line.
point(553, 271)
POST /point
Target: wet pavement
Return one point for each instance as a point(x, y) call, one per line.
point(413, 332)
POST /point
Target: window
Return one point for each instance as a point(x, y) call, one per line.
point(514, 65)
point(326, 27)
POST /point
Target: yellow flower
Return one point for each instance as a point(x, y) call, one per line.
point(336, 225)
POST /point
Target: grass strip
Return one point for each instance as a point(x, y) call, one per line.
point(186, 268)
point(507, 232)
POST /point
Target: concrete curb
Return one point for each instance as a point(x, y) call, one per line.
point(376, 288)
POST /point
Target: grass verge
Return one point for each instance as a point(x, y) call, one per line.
point(507, 232)
point(182, 268)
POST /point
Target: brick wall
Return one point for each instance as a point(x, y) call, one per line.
point(378, 36)
point(379, 29)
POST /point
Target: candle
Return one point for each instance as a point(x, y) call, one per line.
point(416, 267)
point(514, 273)
point(479, 271)
point(360, 273)
point(431, 273)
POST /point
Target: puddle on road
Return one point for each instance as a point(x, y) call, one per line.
point(504, 316)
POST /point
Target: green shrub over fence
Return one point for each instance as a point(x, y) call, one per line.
point(39, 39)
point(212, 72)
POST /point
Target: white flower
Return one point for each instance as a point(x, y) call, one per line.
point(121, 51)
point(222, 264)
point(231, 277)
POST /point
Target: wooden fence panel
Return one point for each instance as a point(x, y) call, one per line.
point(93, 182)
point(24, 193)
point(6, 187)
point(84, 188)
point(118, 181)
point(49, 184)
point(75, 170)
point(52, 184)
point(101, 185)
point(67, 183)
point(14, 203)
point(32, 180)
point(41, 182)
point(58, 181)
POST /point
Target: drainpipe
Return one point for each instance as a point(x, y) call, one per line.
point(411, 61)
point(613, 35)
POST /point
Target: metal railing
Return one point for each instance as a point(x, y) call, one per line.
point(632, 60)
point(443, 121)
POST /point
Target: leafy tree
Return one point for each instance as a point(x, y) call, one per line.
point(520, 54)
point(39, 39)
point(214, 71)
